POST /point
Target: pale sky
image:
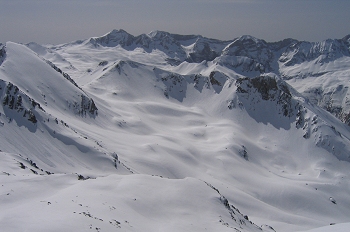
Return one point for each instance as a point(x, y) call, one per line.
point(62, 21)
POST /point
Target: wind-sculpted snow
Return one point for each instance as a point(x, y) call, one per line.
point(174, 133)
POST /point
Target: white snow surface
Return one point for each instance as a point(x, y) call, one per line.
point(170, 148)
point(334, 228)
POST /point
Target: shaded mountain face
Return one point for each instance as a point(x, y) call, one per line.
point(180, 130)
point(2, 53)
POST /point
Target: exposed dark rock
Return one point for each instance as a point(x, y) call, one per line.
point(236, 216)
point(212, 79)
point(21, 165)
point(269, 89)
point(14, 99)
point(103, 63)
point(2, 53)
point(88, 104)
point(243, 152)
point(202, 51)
point(65, 75)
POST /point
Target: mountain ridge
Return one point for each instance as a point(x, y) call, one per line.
point(250, 56)
point(177, 132)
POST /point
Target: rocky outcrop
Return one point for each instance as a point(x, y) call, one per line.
point(268, 89)
point(252, 54)
point(17, 102)
point(65, 75)
point(202, 51)
point(2, 53)
point(334, 100)
point(87, 105)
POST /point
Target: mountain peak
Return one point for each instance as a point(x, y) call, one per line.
point(114, 38)
point(158, 34)
point(249, 38)
point(346, 38)
point(116, 32)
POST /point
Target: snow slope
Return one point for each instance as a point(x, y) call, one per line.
point(111, 203)
point(335, 228)
point(167, 132)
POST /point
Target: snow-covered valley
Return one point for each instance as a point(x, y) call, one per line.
point(163, 132)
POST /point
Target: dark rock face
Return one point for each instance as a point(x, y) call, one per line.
point(17, 102)
point(2, 53)
point(265, 85)
point(202, 51)
point(253, 54)
point(87, 105)
point(271, 90)
point(65, 75)
point(271, 96)
point(175, 86)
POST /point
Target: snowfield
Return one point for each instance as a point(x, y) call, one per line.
point(335, 228)
point(164, 132)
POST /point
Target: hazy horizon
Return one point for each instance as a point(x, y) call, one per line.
point(55, 22)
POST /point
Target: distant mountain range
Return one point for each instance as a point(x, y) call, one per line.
point(290, 59)
point(166, 132)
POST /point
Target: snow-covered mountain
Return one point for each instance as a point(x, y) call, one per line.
point(295, 61)
point(174, 133)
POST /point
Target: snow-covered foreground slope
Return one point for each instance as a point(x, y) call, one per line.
point(334, 228)
point(159, 132)
point(137, 202)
